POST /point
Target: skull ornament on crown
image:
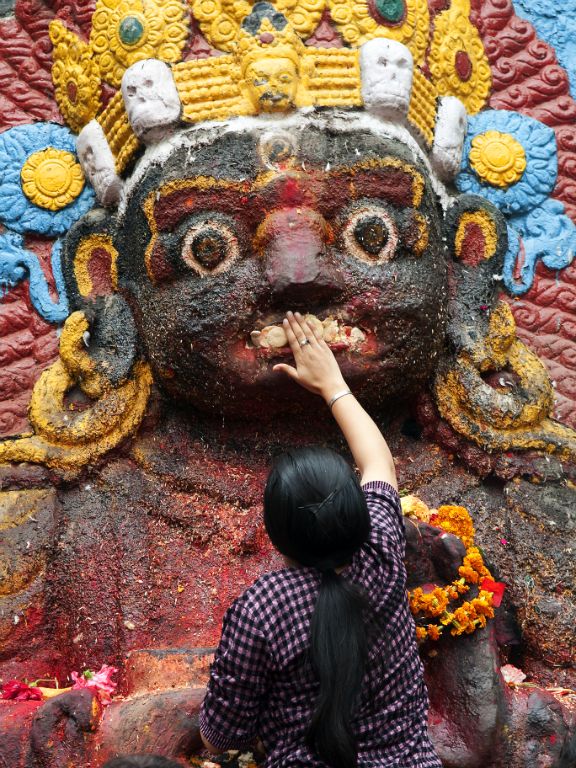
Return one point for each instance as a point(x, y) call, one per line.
point(151, 99)
point(255, 165)
point(387, 68)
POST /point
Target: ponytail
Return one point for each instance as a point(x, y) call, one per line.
point(338, 648)
point(315, 514)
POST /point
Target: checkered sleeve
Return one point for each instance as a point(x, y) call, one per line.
point(385, 515)
point(236, 692)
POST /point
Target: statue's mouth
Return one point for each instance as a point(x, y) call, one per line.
point(336, 332)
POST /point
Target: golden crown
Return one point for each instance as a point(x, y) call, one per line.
point(216, 53)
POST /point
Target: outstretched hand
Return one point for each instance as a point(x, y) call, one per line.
point(316, 368)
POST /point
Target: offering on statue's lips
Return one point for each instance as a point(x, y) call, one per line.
point(335, 332)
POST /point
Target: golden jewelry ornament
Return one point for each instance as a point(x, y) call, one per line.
point(457, 60)
point(515, 416)
point(65, 439)
point(52, 178)
point(126, 31)
point(498, 158)
point(407, 21)
point(76, 77)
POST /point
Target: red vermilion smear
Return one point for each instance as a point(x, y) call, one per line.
point(521, 258)
point(473, 245)
point(291, 194)
point(99, 269)
point(159, 263)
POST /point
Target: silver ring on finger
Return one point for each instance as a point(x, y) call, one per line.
point(303, 342)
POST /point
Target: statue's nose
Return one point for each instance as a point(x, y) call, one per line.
point(294, 244)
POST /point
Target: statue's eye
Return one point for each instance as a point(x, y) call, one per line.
point(210, 247)
point(371, 234)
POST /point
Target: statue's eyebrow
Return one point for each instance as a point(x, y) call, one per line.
point(389, 178)
point(166, 207)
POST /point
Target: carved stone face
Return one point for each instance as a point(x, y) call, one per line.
point(150, 97)
point(272, 84)
point(386, 68)
point(223, 236)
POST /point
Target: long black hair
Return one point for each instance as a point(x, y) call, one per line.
point(315, 514)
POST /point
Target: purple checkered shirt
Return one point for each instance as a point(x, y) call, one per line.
point(262, 684)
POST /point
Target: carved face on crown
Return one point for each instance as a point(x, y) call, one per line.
point(272, 84)
point(232, 227)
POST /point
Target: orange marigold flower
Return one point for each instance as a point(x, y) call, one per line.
point(469, 574)
point(420, 634)
point(456, 520)
point(434, 631)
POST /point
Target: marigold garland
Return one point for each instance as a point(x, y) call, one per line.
point(436, 603)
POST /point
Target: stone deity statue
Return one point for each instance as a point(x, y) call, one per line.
point(277, 171)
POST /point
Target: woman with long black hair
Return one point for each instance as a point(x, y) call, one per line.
point(319, 660)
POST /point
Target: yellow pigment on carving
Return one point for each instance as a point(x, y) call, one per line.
point(118, 131)
point(20, 566)
point(82, 260)
point(65, 439)
point(498, 158)
point(422, 243)
point(222, 87)
point(514, 416)
point(52, 178)
point(422, 111)
point(356, 24)
point(454, 33)
point(76, 77)
point(126, 31)
point(483, 220)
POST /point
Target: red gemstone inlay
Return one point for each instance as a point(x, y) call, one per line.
point(463, 66)
point(72, 91)
point(267, 37)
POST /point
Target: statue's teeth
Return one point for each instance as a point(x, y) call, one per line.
point(274, 336)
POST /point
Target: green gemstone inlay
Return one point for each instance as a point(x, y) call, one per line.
point(391, 10)
point(131, 30)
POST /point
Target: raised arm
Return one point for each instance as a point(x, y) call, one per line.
point(317, 370)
